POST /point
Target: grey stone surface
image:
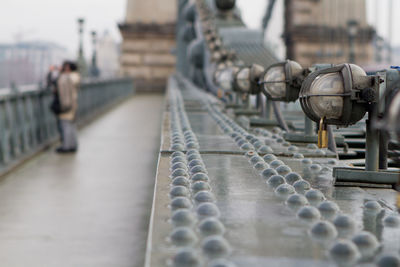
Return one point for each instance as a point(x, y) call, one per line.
point(88, 209)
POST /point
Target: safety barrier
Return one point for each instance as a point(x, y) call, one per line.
point(27, 124)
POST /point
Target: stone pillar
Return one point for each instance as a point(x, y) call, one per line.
point(148, 41)
point(316, 31)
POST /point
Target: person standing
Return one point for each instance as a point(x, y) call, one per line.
point(67, 92)
point(51, 78)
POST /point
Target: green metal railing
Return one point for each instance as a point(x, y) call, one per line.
point(27, 125)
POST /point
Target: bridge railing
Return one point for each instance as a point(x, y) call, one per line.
point(27, 124)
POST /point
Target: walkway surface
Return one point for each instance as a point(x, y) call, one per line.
point(88, 209)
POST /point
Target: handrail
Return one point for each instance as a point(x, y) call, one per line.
point(27, 123)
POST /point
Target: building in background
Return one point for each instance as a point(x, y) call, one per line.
point(148, 41)
point(108, 54)
point(28, 62)
point(334, 31)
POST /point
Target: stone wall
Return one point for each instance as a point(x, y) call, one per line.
point(151, 11)
point(316, 31)
point(148, 43)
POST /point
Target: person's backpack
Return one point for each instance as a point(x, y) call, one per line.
point(55, 105)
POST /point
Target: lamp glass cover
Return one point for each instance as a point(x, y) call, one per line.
point(225, 79)
point(330, 107)
point(277, 89)
point(243, 79)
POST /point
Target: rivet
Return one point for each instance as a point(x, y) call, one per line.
point(216, 247)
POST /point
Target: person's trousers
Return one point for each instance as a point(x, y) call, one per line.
point(69, 139)
point(59, 129)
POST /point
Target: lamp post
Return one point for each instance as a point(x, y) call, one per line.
point(94, 70)
point(379, 43)
point(81, 57)
point(352, 29)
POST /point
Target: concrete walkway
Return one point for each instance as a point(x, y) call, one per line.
point(88, 209)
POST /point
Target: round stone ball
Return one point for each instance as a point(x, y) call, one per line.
point(183, 217)
point(345, 225)
point(301, 186)
point(296, 201)
point(269, 172)
point(344, 253)
point(215, 247)
point(292, 177)
point(275, 181)
point(181, 203)
point(283, 191)
point(314, 196)
point(183, 236)
point(323, 232)
point(186, 257)
point(211, 226)
point(309, 214)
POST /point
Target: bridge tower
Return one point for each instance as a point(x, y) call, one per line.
point(334, 31)
point(148, 40)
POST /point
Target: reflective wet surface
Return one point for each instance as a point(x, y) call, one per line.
point(260, 227)
point(88, 209)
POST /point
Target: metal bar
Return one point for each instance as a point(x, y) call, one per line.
point(268, 15)
point(383, 151)
point(308, 126)
point(331, 141)
point(371, 145)
point(363, 176)
point(27, 123)
point(278, 115)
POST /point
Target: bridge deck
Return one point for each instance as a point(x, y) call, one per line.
point(88, 209)
point(213, 202)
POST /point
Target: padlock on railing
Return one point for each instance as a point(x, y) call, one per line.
point(322, 134)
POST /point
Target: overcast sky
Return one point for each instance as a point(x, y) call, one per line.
point(55, 20)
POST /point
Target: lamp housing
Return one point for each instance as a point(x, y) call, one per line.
point(340, 95)
point(282, 81)
point(225, 5)
point(247, 79)
point(224, 78)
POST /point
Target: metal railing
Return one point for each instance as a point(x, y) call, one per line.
point(27, 124)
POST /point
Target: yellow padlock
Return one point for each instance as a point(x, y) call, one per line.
point(398, 201)
point(220, 93)
point(322, 134)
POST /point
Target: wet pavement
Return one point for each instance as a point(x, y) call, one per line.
point(88, 209)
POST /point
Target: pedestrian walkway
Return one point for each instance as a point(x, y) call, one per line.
point(88, 209)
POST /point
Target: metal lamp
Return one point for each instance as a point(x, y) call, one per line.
point(338, 95)
point(225, 4)
point(245, 83)
point(341, 96)
point(282, 81)
point(224, 78)
point(247, 78)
